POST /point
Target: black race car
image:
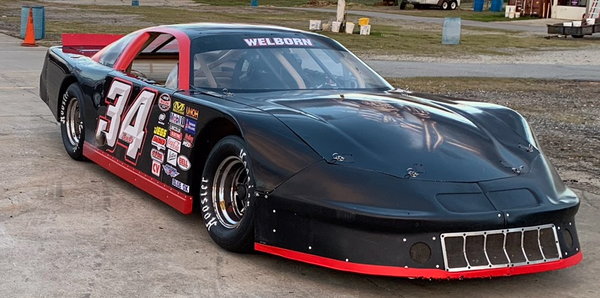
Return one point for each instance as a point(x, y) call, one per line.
point(288, 144)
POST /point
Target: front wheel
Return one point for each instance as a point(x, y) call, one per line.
point(445, 5)
point(71, 122)
point(227, 195)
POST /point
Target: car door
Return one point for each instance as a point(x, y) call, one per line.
point(141, 128)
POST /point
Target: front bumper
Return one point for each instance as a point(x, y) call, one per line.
point(344, 233)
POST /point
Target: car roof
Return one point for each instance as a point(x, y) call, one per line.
point(194, 30)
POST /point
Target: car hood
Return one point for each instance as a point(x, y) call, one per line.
point(405, 135)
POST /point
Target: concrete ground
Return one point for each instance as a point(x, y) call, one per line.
point(71, 229)
point(405, 69)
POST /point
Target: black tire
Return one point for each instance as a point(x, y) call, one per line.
point(453, 5)
point(227, 195)
point(72, 126)
point(417, 6)
point(403, 4)
point(445, 5)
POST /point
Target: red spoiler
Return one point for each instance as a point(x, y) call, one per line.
point(87, 44)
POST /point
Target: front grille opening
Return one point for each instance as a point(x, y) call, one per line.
point(502, 248)
point(475, 251)
point(513, 247)
point(420, 252)
point(494, 245)
point(454, 252)
point(531, 246)
point(548, 243)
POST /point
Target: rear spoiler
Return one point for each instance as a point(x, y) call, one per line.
point(87, 44)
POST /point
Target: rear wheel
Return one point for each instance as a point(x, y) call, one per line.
point(453, 5)
point(226, 195)
point(71, 122)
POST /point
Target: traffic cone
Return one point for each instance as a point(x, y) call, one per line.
point(29, 40)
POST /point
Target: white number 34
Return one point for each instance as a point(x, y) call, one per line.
point(131, 128)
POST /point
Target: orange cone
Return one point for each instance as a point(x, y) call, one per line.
point(29, 32)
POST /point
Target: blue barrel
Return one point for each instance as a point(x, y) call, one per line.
point(39, 21)
point(254, 3)
point(135, 3)
point(496, 5)
point(478, 5)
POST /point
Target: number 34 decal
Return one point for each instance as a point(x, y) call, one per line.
point(126, 131)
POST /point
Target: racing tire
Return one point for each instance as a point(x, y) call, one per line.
point(72, 126)
point(445, 5)
point(453, 5)
point(227, 195)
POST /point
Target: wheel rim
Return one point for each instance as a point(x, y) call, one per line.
point(229, 192)
point(445, 5)
point(73, 122)
point(453, 5)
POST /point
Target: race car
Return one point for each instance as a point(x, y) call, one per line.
point(288, 144)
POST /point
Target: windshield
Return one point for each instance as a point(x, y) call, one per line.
point(273, 64)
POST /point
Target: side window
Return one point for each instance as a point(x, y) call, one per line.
point(158, 61)
point(113, 51)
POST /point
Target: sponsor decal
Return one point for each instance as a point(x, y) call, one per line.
point(156, 168)
point(179, 107)
point(161, 118)
point(188, 140)
point(157, 155)
point(159, 142)
point(269, 42)
point(172, 157)
point(191, 112)
point(159, 131)
point(180, 185)
point(177, 119)
point(184, 163)
point(164, 102)
point(176, 135)
point(190, 126)
point(175, 128)
point(174, 144)
point(171, 171)
point(126, 137)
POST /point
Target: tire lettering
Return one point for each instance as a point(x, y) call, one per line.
point(209, 218)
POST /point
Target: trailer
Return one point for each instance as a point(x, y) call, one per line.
point(574, 31)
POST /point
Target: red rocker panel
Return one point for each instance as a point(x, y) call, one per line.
point(161, 191)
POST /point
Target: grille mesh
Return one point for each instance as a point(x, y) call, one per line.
point(500, 248)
